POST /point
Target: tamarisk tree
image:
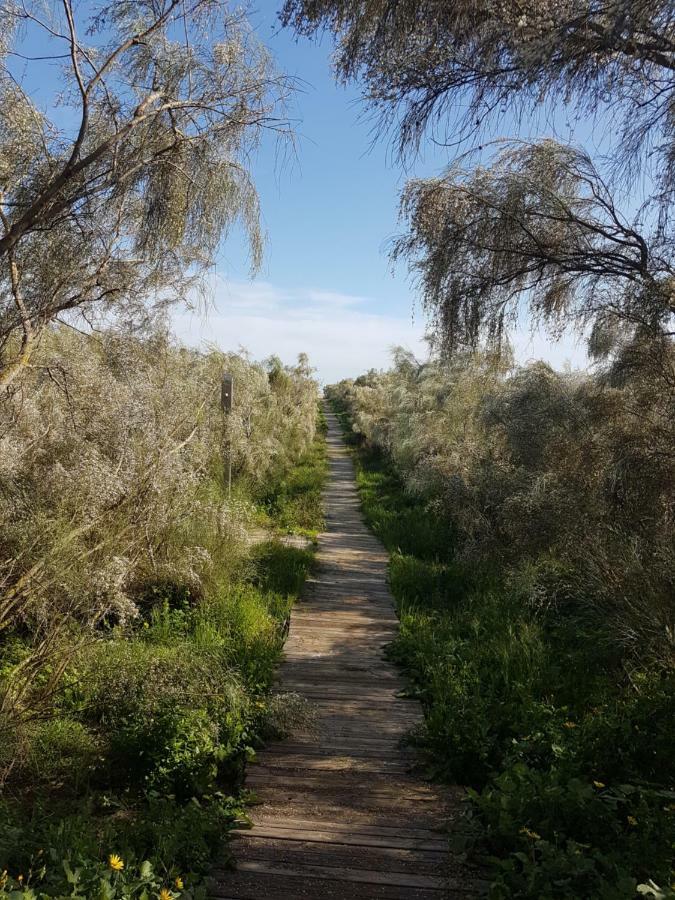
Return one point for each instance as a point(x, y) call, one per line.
point(540, 222)
point(428, 58)
point(538, 226)
point(121, 191)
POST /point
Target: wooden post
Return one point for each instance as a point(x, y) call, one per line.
point(226, 401)
point(227, 392)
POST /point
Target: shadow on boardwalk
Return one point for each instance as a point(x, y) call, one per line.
point(342, 814)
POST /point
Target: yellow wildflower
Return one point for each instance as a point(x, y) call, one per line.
point(165, 894)
point(599, 785)
point(570, 724)
point(20, 879)
point(531, 834)
point(179, 883)
point(631, 820)
point(115, 862)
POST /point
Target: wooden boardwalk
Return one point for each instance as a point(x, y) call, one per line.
point(342, 812)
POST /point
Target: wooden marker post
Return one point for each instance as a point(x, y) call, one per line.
point(226, 401)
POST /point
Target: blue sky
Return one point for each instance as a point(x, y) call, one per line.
point(329, 209)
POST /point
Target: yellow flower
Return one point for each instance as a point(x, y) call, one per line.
point(165, 894)
point(631, 820)
point(570, 724)
point(599, 785)
point(20, 879)
point(531, 834)
point(115, 862)
point(179, 883)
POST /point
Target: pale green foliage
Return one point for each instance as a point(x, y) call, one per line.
point(274, 415)
point(425, 60)
point(112, 460)
point(572, 474)
point(535, 229)
point(124, 209)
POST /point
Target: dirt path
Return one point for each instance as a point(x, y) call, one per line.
point(343, 814)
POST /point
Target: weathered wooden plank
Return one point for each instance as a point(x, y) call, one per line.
point(351, 838)
point(306, 763)
point(327, 750)
point(302, 853)
point(345, 788)
point(414, 831)
point(345, 622)
point(340, 680)
point(247, 886)
point(358, 876)
point(282, 804)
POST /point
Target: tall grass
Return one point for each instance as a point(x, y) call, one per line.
point(293, 502)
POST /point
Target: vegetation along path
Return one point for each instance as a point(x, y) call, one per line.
point(342, 812)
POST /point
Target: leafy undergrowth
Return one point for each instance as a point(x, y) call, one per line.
point(569, 758)
point(293, 503)
point(130, 790)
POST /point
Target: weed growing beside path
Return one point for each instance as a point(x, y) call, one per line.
point(293, 503)
point(569, 762)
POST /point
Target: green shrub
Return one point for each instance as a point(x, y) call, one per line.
point(152, 593)
point(281, 570)
point(61, 748)
point(557, 836)
point(49, 845)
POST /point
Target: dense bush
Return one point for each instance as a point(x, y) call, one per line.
point(139, 622)
point(572, 474)
point(529, 515)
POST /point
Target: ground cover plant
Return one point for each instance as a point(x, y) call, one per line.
point(139, 626)
point(528, 515)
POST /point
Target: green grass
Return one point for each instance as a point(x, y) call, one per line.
point(293, 504)
point(155, 720)
point(570, 764)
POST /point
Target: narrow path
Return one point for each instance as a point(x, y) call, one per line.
point(342, 813)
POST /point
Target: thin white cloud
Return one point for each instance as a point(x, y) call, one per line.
point(332, 298)
point(341, 333)
point(341, 337)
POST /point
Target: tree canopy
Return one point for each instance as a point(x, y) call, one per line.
point(167, 98)
point(539, 222)
point(428, 58)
